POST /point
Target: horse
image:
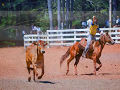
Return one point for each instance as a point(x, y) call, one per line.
point(35, 58)
point(94, 52)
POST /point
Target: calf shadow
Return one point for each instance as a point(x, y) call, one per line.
point(45, 82)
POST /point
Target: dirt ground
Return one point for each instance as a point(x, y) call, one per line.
point(13, 72)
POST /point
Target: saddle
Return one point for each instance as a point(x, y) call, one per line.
point(84, 43)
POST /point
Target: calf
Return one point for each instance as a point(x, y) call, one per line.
point(35, 58)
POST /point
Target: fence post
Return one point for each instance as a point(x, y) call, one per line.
point(24, 41)
point(116, 35)
point(61, 38)
point(48, 39)
point(74, 36)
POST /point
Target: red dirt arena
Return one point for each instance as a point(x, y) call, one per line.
point(13, 72)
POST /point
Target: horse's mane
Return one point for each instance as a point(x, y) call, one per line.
point(101, 35)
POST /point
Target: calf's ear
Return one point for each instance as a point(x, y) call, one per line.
point(35, 43)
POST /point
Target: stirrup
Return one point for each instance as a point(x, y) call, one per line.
point(83, 55)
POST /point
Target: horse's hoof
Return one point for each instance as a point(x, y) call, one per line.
point(67, 72)
point(76, 74)
point(37, 74)
point(97, 69)
point(29, 79)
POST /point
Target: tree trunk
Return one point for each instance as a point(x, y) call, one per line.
point(71, 13)
point(67, 13)
point(63, 13)
point(50, 14)
point(114, 11)
point(59, 18)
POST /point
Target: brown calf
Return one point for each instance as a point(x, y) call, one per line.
point(35, 58)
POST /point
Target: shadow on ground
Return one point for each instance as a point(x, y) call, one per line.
point(46, 82)
point(102, 74)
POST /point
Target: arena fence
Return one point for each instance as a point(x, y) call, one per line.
point(68, 37)
point(30, 38)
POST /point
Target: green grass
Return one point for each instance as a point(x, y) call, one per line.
point(9, 43)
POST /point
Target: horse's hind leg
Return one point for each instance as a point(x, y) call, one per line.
point(94, 62)
point(68, 61)
point(76, 62)
point(100, 64)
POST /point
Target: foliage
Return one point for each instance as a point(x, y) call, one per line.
point(28, 12)
point(42, 21)
point(76, 23)
point(9, 43)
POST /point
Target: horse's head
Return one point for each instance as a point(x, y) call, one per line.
point(40, 46)
point(106, 38)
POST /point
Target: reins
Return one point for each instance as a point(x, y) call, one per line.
point(102, 43)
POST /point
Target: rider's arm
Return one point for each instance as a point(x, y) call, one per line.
point(92, 23)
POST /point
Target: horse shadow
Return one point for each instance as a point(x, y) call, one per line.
point(45, 82)
point(109, 73)
point(102, 74)
point(88, 74)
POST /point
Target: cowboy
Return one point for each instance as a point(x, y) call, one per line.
point(92, 32)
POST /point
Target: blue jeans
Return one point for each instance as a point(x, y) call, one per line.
point(90, 38)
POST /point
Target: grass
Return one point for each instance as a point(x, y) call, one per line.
point(8, 43)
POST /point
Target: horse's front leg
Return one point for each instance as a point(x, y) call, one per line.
point(94, 62)
point(100, 64)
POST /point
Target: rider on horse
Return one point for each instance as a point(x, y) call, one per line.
point(92, 32)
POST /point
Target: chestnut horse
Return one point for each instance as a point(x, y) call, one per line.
point(94, 52)
point(35, 58)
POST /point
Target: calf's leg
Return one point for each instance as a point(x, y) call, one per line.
point(42, 73)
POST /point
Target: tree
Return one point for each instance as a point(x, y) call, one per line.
point(67, 13)
point(59, 16)
point(71, 13)
point(114, 11)
point(63, 13)
point(50, 14)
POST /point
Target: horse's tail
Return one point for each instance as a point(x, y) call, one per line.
point(64, 56)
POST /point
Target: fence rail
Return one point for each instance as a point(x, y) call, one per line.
point(30, 38)
point(69, 36)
